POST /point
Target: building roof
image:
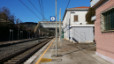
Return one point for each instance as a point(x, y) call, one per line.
point(79, 8)
point(82, 8)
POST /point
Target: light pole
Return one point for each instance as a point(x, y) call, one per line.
point(69, 26)
point(21, 34)
point(18, 34)
point(60, 25)
point(56, 28)
point(11, 34)
point(39, 33)
point(28, 35)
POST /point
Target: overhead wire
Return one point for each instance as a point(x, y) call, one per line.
point(67, 5)
point(40, 7)
point(43, 8)
point(28, 8)
point(35, 7)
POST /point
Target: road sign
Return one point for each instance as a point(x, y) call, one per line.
point(52, 18)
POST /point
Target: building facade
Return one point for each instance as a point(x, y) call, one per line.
point(104, 29)
point(75, 26)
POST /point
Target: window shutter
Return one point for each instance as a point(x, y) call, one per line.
point(102, 23)
point(75, 18)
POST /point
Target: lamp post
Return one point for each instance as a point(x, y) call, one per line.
point(21, 34)
point(56, 28)
point(60, 25)
point(28, 35)
point(11, 34)
point(39, 33)
point(18, 34)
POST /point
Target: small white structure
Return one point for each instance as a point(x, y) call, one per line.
point(75, 26)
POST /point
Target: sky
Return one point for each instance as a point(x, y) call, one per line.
point(34, 13)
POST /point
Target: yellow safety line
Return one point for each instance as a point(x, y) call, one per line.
point(39, 60)
point(46, 60)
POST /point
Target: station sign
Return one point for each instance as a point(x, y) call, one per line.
point(52, 18)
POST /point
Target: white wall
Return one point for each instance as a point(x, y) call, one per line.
point(66, 19)
point(70, 18)
point(81, 18)
point(82, 34)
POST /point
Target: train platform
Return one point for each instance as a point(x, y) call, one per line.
point(67, 53)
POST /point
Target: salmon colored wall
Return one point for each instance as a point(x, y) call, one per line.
point(104, 41)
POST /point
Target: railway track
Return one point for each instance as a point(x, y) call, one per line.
point(18, 53)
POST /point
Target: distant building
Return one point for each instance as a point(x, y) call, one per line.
point(104, 28)
point(75, 26)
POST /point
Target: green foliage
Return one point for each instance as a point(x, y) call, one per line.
point(5, 15)
point(7, 23)
point(91, 12)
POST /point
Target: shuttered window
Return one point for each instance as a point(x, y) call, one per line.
point(109, 19)
point(75, 18)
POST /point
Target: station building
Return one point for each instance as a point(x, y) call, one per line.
point(75, 26)
point(104, 28)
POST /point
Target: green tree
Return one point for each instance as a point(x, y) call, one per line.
point(3, 16)
point(91, 12)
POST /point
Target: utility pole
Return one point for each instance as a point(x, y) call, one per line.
point(60, 26)
point(39, 33)
point(56, 28)
point(12, 34)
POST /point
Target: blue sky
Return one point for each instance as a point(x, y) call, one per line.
point(20, 11)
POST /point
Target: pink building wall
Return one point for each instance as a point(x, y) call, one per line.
point(104, 41)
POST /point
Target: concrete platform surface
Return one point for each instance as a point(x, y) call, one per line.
point(72, 53)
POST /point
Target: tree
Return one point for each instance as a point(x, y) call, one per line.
point(6, 11)
point(12, 19)
point(91, 12)
point(3, 16)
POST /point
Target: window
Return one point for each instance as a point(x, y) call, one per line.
point(75, 18)
point(72, 12)
point(108, 18)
